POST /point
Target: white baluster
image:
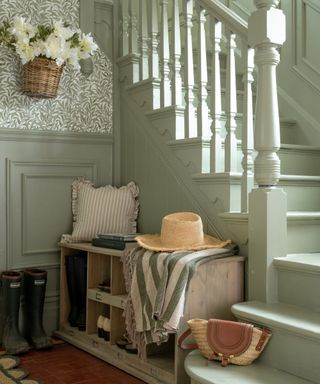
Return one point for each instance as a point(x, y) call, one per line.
point(267, 126)
point(190, 123)
point(143, 40)
point(216, 147)
point(125, 27)
point(154, 40)
point(231, 107)
point(165, 91)
point(176, 54)
point(133, 26)
point(202, 110)
point(247, 131)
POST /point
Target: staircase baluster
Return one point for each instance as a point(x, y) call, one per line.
point(247, 131)
point(203, 122)
point(165, 91)
point(176, 54)
point(133, 26)
point(124, 27)
point(216, 147)
point(143, 41)
point(231, 107)
point(190, 122)
point(154, 40)
point(267, 126)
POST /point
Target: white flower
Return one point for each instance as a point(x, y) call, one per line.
point(22, 30)
point(61, 31)
point(87, 46)
point(60, 43)
point(25, 51)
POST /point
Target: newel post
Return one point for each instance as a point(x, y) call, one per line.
point(267, 203)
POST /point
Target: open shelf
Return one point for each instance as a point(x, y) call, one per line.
point(164, 362)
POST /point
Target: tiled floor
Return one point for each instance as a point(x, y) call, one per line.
point(65, 364)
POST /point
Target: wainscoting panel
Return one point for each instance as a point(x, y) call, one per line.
point(39, 208)
point(36, 172)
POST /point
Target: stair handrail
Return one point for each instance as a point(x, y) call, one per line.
point(227, 16)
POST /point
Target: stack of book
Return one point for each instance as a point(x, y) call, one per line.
point(114, 240)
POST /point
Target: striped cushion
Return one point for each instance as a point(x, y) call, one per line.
point(102, 210)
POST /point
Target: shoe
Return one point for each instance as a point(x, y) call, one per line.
point(122, 341)
point(131, 349)
point(72, 290)
point(106, 329)
point(100, 326)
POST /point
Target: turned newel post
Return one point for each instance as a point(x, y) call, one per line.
point(267, 225)
point(266, 34)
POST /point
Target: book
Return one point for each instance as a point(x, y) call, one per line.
point(109, 243)
point(126, 237)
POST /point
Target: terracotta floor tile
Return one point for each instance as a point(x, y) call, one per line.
point(65, 364)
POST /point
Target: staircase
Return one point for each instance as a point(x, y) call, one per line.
point(189, 98)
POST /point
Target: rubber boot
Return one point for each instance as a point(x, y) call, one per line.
point(80, 263)
point(34, 285)
point(12, 340)
point(72, 289)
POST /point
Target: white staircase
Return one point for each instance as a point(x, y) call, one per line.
point(186, 74)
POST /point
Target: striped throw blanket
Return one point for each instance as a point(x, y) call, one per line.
point(157, 283)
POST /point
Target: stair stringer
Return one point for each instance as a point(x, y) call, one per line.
point(138, 131)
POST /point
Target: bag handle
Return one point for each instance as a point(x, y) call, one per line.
point(181, 339)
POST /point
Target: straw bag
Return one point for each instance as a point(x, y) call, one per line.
point(41, 78)
point(226, 341)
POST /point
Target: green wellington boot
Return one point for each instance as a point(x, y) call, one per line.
point(12, 340)
point(34, 287)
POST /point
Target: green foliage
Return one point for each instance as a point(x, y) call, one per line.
point(6, 38)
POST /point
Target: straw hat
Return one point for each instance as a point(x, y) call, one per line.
point(180, 231)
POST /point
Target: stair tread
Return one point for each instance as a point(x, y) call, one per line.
point(283, 316)
point(303, 215)
point(299, 178)
point(300, 261)
point(202, 371)
point(300, 147)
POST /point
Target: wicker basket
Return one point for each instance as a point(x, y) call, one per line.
point(41, 78)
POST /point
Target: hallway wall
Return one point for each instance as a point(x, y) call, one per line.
point(44, 145)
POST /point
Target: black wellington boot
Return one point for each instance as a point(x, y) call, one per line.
point(34, 287)
point(12, 340)
point(80, 263)
point(72, 289)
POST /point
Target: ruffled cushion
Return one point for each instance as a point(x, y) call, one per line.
point(102, 210)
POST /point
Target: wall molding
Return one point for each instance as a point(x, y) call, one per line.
point(23, 171)
point(55, 137)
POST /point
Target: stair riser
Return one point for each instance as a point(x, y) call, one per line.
point(292, 353)
point(299, 197)
point(299, 288)
point(303, 236)
point(302, 196)
point(296, 162)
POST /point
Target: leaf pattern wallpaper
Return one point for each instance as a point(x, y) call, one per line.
point(83, 104)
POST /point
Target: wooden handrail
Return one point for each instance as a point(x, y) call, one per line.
point(227, 16)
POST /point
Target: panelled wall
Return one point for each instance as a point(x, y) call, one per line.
point(45, 144)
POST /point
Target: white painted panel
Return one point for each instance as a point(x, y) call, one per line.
point(39, 208)
point(311, 29)
point(103, 27)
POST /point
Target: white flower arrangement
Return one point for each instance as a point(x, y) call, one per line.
point(57, 42)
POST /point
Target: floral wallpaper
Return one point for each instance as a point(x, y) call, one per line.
point(83, 104)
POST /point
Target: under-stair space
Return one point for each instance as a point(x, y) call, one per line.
point(190, 99)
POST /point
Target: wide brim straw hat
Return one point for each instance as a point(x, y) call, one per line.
point(180, 231)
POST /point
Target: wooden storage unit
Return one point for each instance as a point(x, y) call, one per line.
point(215, 286)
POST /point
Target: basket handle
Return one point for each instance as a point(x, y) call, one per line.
point(186, 347)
